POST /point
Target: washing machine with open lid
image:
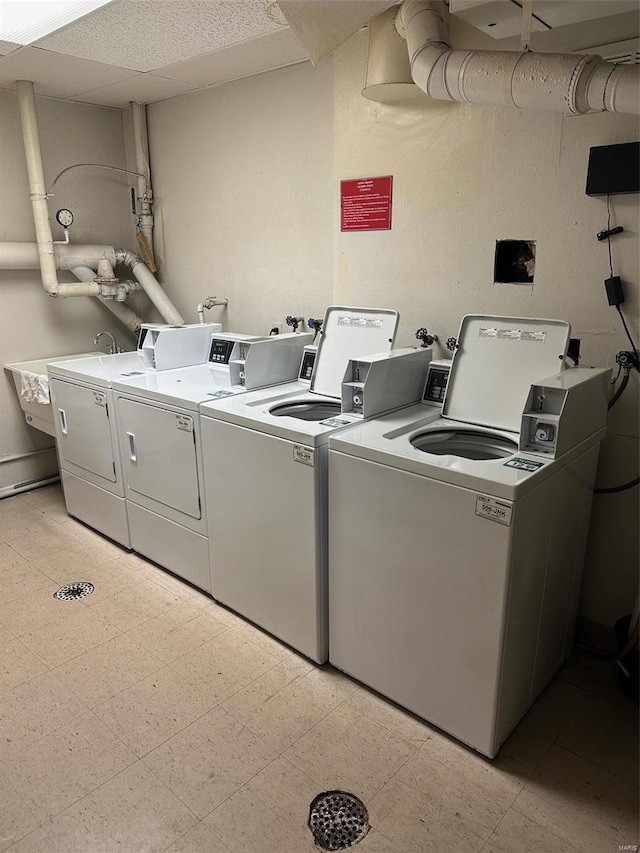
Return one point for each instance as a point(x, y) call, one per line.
point(496, 361)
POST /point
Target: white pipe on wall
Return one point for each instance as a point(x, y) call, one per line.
point(545, 81)
point(37, 190)
point(141, 147)
point(150, 285)
point(122, 311)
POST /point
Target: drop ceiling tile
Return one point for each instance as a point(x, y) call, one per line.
point(7, 46)
point(145, 88)
point(251, 57)
point(54, 74)
point(147, 34)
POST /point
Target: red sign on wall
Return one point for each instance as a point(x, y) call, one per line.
point(365, 204)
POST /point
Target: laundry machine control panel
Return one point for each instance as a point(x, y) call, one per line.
point(307, 363)
point(436, 384)
point(220, 351)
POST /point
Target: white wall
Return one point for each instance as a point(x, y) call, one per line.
point(32, 325)
point(243, 179)
point(464, 177)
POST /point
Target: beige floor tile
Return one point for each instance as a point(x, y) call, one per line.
point(472, 791)
point(517, 834)
point(416, 822)
point(588, 670)
point(390, 716)
point(155, 709)
point(375, 842)
point(132, 813)
point(581, 803)
point(605, 732)
point(66, 639)
point(286, 702)
point(16, 819)
point(100, 673)
point(17, 664)
point(209, 760)
point(81, 563)
point(156, 574)
point(38, 609)
point(263, 640)
point(21, 582)
point(34, 709)
point(47, 496)
point(270, 813)
point(225, 664)
point(34, 545)
point(553, 709)
point(179, 630)
point(135, 605)
point(60, 768)
point(35, 842)
point(19, 524)
point(200, 839)
point(350, 751)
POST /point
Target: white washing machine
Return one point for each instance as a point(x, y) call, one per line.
point(84, 420)
point(457, 537)
point(159, 436)
point(266, 478)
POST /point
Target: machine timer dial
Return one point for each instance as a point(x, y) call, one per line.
point(65, 217)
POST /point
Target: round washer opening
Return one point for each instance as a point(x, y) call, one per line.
point(468, 444)
point(306, 410)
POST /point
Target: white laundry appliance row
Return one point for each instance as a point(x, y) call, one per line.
point(421, 524)
point(84, 419)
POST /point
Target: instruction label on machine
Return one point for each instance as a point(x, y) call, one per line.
point(184, 423)
point(494, 509)
point(304, 455)
point(220, 394)
point(523, 464)
point(99, 398)
point(513, 335)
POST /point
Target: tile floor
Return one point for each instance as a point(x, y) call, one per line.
point(145, 718)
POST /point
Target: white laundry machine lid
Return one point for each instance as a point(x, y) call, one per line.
point(496, 361)
point(350, 333)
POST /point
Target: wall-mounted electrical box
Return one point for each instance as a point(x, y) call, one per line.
point(379, 383)
point(614, 169)
point(166, 347)
point(565, 409)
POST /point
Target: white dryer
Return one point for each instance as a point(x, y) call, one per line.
point(159, 436)
point(457, 537)
point(266, 479)
point(84, 420)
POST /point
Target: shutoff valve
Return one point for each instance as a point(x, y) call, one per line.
point(424, 336)
point(294, 322)
point(316, 325)
point(452, 344)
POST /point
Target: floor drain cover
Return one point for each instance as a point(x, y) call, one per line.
point(338, 820)
point(79, 589)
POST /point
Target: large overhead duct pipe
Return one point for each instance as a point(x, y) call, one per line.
point(150, 285)
point(572, 83)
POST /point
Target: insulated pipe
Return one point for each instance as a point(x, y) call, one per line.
point(38, 194)
point(25, 256)
point(561, 82)
point(151, 287)
point(126, 316)
point(145, 193)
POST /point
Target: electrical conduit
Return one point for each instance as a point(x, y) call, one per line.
point(572, 83)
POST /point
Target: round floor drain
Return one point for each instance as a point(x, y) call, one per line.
point(338, 820)
point(79, 589)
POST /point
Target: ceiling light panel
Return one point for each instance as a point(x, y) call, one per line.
point(26, 21)
point(145, 35)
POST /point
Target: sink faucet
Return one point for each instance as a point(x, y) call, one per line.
point(113, 346)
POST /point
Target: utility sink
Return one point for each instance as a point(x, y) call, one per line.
point(39, 415)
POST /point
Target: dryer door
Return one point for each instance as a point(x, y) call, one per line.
point(83, 429)
point(159, 455)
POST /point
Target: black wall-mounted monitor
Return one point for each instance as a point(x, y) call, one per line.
point(614, 169)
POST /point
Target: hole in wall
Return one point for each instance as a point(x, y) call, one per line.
point(515, 262)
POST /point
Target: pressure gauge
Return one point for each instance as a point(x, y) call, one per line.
point(65, 217)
